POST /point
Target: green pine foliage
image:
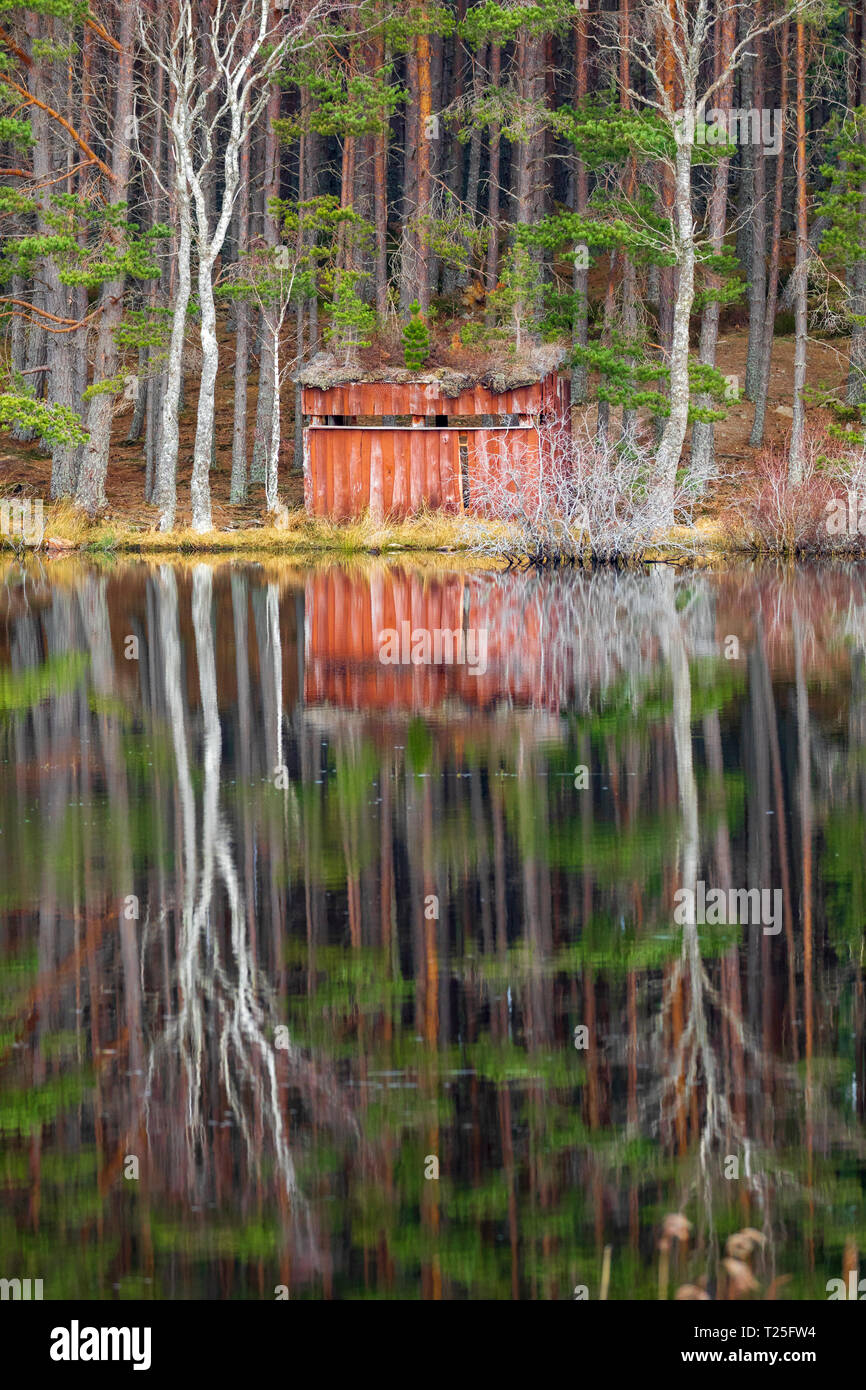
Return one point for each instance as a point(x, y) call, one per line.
point(90, 243)
point(352, 321)
point(516, 305)
point(416, 340)
point(302, 266)
point(492, 23)
point(844, 241)
point(55, 424)
point(628, 369)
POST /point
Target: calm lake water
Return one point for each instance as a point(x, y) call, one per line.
point(287, 928)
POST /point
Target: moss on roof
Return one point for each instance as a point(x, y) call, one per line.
point(323, 372)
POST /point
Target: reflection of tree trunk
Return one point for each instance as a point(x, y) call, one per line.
point(674, 646)
point(772, 739)
point(240, 610)
point(349, 829)
point(536, 899)
point(632, 1106)
point(684, 990)
point(431, 1274)
point(479, 826)
point(499, 892)
point(387, 904)
point(759, 846)
point(220, 1013)
point(805, 790)
point(506, 1133)
point(95, 621)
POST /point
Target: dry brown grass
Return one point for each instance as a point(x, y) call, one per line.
point(297, 534)
point(468, 542)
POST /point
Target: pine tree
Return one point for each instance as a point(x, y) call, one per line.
point(416, 339)
point(516, 303)
point(845, 207)
point(352, 321)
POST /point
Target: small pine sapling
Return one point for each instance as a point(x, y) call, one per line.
point(416, 339)
point(352, 321)
point(516, 300)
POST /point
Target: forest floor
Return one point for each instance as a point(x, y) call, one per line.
point(130, 524)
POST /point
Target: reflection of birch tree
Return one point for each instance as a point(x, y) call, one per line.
point(97, 629)
point(714, 1057)
point(223, 1003)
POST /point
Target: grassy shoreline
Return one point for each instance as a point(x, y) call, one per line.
point(68, 531)
point(431, 537)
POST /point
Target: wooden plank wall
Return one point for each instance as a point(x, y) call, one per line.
point(392, 398)
point(397, 470)
point(392, 471)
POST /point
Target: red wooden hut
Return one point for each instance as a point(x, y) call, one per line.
point(397, 440)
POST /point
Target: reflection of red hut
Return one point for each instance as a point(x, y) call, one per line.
point(511, 651)
point(398, 441)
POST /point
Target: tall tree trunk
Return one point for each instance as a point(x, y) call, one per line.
point(272, 469)
point(204, 428)
point(856, 388)
point(380, 199)
point(756, 438)
point(473, 165)
point(671, 443)
point(629, 269)
point(139, 406)
point(602, 427)
point(266, 387)
point(703, 432)
point(580, 272)
point(57, 388)
point(423, 209)
point(243, 315)
point(797, 452)
point(165, 485)
point(457, 276)
point(530, 67)
point(17, 331)
point(758, 238)
point(667, 275)
point(493, 185)
point(90, 489)
point(313, 156)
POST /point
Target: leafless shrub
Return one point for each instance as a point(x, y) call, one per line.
point(818, 514)
point(590, 500)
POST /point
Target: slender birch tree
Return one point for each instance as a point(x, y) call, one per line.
point(218, 76)
point(688, 30)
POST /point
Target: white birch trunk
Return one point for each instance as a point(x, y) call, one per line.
point(203, 451)
point(209, 247)
point(165, 488)
point(274, 442)
point(671, 443)
point(238, 65)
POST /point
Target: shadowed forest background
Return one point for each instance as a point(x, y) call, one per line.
point(200, 198)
